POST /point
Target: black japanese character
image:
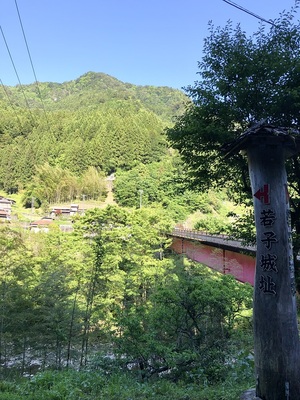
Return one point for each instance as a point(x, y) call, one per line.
point(268, 217)
point(267, 285)
point(268, 262)
point(269, 240)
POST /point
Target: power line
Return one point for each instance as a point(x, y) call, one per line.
point(248, 12)
point(11, 103)
point(31, 62)
point(16, 72)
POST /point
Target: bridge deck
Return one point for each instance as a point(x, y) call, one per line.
point(216, 251)
point(221, 241)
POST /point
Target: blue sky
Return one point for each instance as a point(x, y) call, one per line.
point(154, 42)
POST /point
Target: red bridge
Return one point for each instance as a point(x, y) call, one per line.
point(217, 252)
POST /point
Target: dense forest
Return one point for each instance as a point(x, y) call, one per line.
point(95, 121)
point(106, 310)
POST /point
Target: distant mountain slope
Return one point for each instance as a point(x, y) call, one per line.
point(95, 121)
point(92, 89)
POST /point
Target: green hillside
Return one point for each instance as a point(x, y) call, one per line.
point(95, 121)
point(92, 89)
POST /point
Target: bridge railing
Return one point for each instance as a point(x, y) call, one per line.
point(208, 237)
point(194, 234)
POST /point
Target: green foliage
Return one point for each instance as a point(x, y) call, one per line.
point(130, 248)
point(113, 257)
point(108, 287)
point(54, 184)
point(92, 184)
point(212, 224)
point(156, 99)
point(92, 89)
point(161, 183)
point(105, 139)
point(244, 225)
point(95, 121)
point(40, 315)
point(90, 385)
point(242, 79)
point(158, 181)
point(217, 215)
point(187, 326)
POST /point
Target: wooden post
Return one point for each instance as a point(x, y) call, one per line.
point(276, 337)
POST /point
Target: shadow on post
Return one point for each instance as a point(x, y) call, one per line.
point(276, 337)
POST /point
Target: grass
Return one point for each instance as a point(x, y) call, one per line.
point(88, 385)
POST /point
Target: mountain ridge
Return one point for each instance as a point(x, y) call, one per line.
point(94, 88)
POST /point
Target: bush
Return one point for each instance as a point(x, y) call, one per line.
point(189, 327)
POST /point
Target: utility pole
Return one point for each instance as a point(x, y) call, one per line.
point(32, 207)
point(141, 194)
point(276, 337)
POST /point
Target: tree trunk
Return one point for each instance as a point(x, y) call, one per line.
point(276, 339)
point(71, 326)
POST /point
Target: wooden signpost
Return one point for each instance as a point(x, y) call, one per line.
point(276, 337)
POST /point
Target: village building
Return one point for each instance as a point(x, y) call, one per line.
point(41, 225)
point(65, 211)
point(6, 204)
point(5, 208)
point(5, 216)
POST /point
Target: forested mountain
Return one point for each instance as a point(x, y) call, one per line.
point(92, 89)
point(109, 294)
point(95, 121)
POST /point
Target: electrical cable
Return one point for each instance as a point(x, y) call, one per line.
point(17, 75)
point(31, 62)
point(248, 12)
point(11, 104)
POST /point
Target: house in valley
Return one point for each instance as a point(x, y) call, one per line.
point(5, 208)
point(6, 204)
point(65, 211)
point(41, 225)
point(5, 216)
